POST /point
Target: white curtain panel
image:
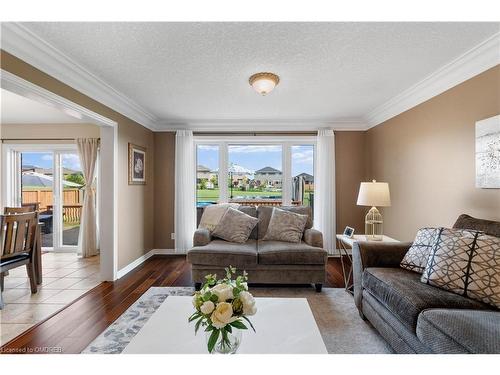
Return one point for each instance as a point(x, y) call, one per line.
point(87, 244)
point(185, 190)
point(324, 197)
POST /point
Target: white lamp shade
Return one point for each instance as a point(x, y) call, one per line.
point(374, 194)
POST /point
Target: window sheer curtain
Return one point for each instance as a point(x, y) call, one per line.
point(87, 150)
point(324, 200)
point(185, 190)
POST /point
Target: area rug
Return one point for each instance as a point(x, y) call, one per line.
point(341, 328)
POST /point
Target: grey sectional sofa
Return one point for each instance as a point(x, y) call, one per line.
point(415, 317)
point(267, 262)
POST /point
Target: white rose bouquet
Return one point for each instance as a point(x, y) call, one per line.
point(221, 306)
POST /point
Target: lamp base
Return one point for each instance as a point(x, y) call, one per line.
point(373, 225)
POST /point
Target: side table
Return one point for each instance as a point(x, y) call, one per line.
point(344, 244)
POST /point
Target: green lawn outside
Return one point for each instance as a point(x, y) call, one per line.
point(213, 195)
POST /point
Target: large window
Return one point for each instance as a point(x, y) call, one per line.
point(255, 171)
point(303, 174)
point(207, 175)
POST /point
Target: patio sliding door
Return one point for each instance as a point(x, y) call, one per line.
point(53, 178)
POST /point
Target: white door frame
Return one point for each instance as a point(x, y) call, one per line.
point(108, 170)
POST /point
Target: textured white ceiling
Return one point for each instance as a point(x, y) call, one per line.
point(199, 71)
point(16, 109)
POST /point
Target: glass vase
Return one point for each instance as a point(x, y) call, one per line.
point(226, 347)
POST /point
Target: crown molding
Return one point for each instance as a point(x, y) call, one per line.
point(473, 62)
point(27, 89)
point(246, 125)
point(24, 44)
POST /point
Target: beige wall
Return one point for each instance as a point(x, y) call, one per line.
point(350, 170)
point(41, 131)
point(164, 189)
point(135, 202)
point(427, 156)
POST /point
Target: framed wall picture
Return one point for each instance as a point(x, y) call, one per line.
point(488, 153)
point(349, 232)
point(136, 165)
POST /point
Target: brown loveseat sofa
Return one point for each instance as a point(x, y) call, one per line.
point(415, 317)
point(267, 262)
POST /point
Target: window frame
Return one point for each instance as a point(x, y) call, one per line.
point(286, 142)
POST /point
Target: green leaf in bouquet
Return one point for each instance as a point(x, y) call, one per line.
point(249, 322)
point(238, 324)
point(209, 328)
point(197, 326)
point(228, 328)
point(212, 340)
point(207, 296)
point(194, 316)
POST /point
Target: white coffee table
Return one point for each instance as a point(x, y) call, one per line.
point(284, 326)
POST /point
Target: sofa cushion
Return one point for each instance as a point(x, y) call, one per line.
point(285, 226)
point(416, 257)
point(460, 331)
point(277, 252)
point(466, 262)
point(402, 293)
point(213, 214)
point(222, 253)
point(487, 226)
point(251, 211)
point(235, 226)
point(264, 214)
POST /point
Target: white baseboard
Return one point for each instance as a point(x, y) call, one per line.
point(142, 259)
point(166, 252)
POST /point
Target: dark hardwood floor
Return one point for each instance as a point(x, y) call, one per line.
point(71, 329)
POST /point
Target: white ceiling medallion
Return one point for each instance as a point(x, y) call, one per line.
point(264, 82)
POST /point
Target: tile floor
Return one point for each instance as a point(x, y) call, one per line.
point(65, 278)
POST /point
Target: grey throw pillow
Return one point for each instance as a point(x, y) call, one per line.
point(416, 257)
point(235, 226)
point(466, 262)
point(285, 226)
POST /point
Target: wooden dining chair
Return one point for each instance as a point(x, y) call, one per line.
point(17, 210)
point(34, 206)
point(30, 207)
point(17, 245)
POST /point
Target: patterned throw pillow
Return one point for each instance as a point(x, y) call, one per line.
point(466, 262)
point(416, 258)
point(235, 226)
point(213, 214)
point(285, 226)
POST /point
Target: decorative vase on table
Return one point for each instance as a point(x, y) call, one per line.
point(228, 344)
point(222, 310)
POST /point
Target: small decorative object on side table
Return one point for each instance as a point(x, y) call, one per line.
point(344, 245)
point(222, 306)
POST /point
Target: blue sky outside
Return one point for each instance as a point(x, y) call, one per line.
point(254, 157)
point(45, 160)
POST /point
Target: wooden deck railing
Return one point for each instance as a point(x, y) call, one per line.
point(262, 202)
point(71, 212)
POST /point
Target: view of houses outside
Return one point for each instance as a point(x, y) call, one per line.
point(254, 173)
point(37, 178)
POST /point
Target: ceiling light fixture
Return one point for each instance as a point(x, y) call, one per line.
point(264, 82)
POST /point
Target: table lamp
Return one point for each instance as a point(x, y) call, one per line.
point(374, 194)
